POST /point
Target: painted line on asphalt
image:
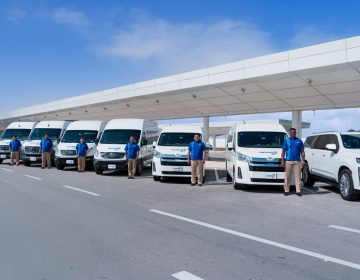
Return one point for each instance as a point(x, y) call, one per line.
point(262, 240)
point(345, 228)
point(184, 275)
point(81, 190)
point(33, 177)
point(7, 170)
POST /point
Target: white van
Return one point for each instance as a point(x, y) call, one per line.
point(110, 151)
point(171, 152)
point(22, 131)
point(65, 152)
point(55, 129)
point(253, 154)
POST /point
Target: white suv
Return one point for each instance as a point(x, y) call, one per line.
point(334, 158)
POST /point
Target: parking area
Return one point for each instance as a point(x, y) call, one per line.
point(69, 225)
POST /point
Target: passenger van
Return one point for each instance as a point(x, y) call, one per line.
point(110, 151)
point(171, 152)
point(32, 153)
point(65, 152)
point(21, 129)
point(253, 154)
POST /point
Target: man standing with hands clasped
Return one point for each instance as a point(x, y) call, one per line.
point(46, 145)
point(15, 146)
point(293, 147)
point(132, 154)
point(81, 151)
point(196, 157)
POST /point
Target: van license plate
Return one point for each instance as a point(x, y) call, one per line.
point(270, 176)
point(180, 169)
point(33, 159)
point(2, 156)
point(69, 161)
point(111, 166)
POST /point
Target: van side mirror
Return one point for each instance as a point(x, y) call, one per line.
point(58, 140)
point(154, 144)
point(97, 140)
point(230, 146)
point(144, 142)
point(331, 147)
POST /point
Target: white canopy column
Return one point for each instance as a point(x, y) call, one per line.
point(296, 121)
point(206, 126)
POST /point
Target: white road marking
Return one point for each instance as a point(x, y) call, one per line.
point(345, 228)
point(33, 177)
point(216, 175)
point(80, 190)
point(262, 240)
point(7, 170)
point(184, 275)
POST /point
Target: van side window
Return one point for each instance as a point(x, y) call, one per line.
point(152, 136)
point(334, 140)
point(321, 142)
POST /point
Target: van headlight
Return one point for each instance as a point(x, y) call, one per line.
point(242, 157)
point(157, 154)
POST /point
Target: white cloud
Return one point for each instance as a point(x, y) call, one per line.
point(69, 17)
point(310, 35)
point(16, 15)
point(179, 47)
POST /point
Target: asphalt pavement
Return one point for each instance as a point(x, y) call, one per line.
point(70, 225)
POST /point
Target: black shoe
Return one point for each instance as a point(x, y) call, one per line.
point(49, 167)
point(42, 167)
point(132, 177)
point(129, 177)
point(286, 193)
point(192, 184)
point(299, 194)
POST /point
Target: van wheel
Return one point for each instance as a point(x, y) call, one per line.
point(228, 176)
point(1, 160)
point(98, 171)
point(60, 166)
point(237, 186)
point(307, 179)
point(346, 186)
point(157, 178)
point(139, 168)
point(26, 162)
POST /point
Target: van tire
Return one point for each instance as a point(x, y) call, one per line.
point(307, 179)
point(98, 171)
point(59, 166)
point(228, 176)
point(139, 168)
point(237, 186)
point(157, 178)
point(1, 160)
point(346, 186)
point(27, 163)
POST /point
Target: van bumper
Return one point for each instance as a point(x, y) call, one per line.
point(111, 165)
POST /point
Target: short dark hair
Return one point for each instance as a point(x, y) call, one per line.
point(14, 135)
point(83, 138)
point(292, 129)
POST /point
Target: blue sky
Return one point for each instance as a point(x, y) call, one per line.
point(56, 49)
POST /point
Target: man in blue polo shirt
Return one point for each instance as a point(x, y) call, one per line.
point(196, 154)
point(132, 154)
point(46, 145)
point(81, 151)
point(15, 146)
point(293, 147)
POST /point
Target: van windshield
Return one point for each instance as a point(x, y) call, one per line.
point(351, 141)
point(73, 136)
point(39, 133)
point(21, 134)
point(176, 139)
point(119, 136)
point(260, 139)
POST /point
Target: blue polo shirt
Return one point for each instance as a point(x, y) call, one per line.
point(131, 150)
point(15, 145)
point(46, 145)
point(81, 149)
point(196, 150)
point(293, 148)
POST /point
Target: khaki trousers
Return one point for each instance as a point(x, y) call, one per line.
point(197, 167)
point(46, 159)
point(132, 167)
point(296, 166)
point(14, 156)
point(81, 164)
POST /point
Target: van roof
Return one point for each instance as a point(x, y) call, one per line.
point(182, 128)
point(52, 124)
point(23, 125)
point(241, 126)
point(125, 124)
point(86, 125)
